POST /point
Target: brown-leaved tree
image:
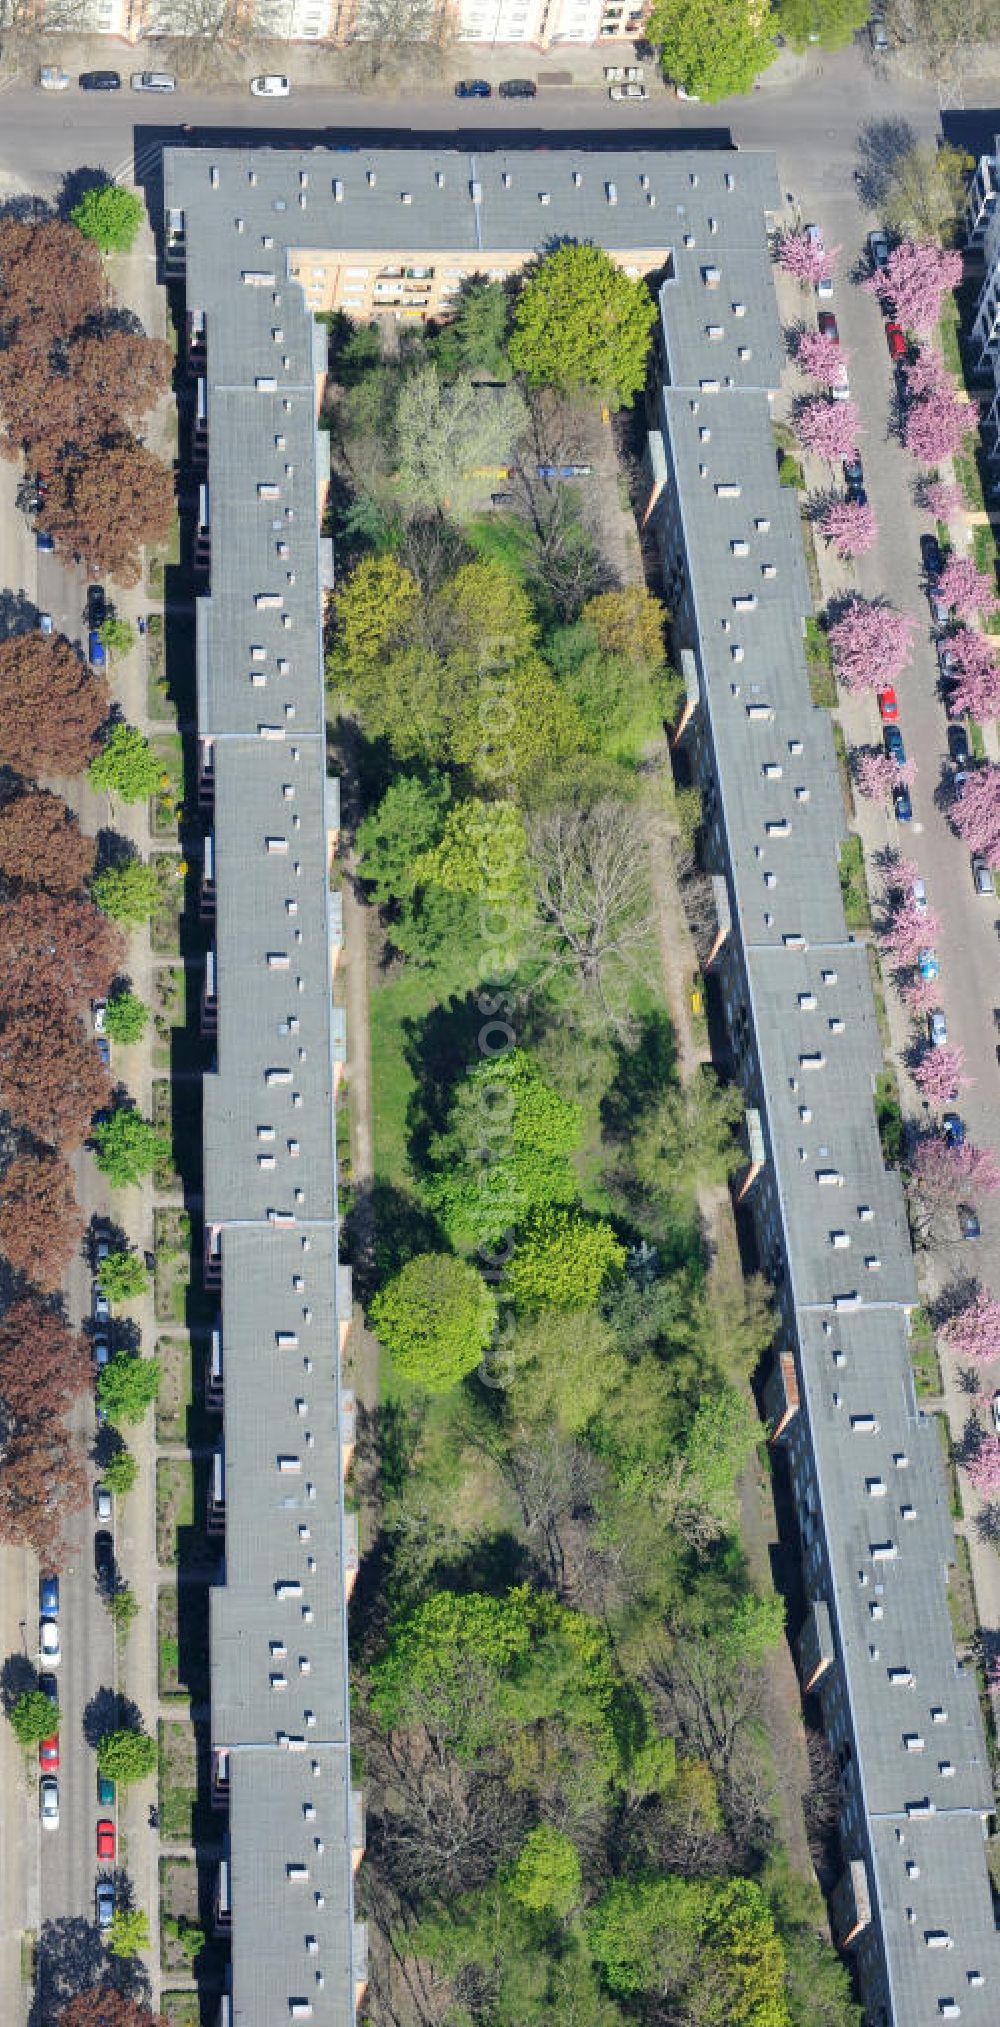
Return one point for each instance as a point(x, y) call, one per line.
point(42, 845)
point(51, 705)
point(41, 1223)
point(100, 511)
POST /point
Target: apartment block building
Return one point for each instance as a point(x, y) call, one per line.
point(531, 24)
point(901, 1714)
point(982, 232)
point(261, 240)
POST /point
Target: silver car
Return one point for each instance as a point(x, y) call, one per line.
point(48, 1802)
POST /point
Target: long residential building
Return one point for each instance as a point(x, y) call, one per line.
point(262, 240)
point(520, 25)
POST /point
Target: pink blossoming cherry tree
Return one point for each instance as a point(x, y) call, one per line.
point(849, 526)
point(974, 1330)
point(914, 282)
point(871, 644)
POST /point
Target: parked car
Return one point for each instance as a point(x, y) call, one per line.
point(104, 1558)
point(49, 1687)
point(97, 606)
point(627, 91)
point(995, 1411)
point(895, 338)
point(103, 1503)
point(473, 88)
point(953, 1128)
point(918, 895)
point(940, 609)
point(879, 37)
point(46, 623)
point(902, 805)
point(96, 650)
point(48, 1803)
point(888, 705)
point(937, 1028)
point(982, 879)
point(105, 1897)
point(106, 1840)
point(100, 1305)
point(98, 1010)
point(48, 1596)
point(153, 80)
point(968, 1221)
point(44, 542)
point(892, 740)
point(270, 86)
point(48, 1642)
point(958, 745)
point(104, 1052)
point(931, 557)
point(518, 88)
point(100, 80)
point(102, 1348)
point(878, 248)
point(52, 78)
point(947, 662)
point(854, 473)
point(927, 961)
point(824, 288)
point(828, 326)
point(105, 1792)
point(814, 235)
point(48, 1753)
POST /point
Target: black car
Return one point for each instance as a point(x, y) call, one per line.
point(104, 1558)
point(958, 745)
point(968, 1221)
point(953, 1127)
point(931, 557)
point(858, 495)
point(100, 80)
point(473, 88)
point(518, 88)
point(854, 471)
point(97, 607)
point(892, 740)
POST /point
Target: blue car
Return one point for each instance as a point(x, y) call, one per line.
point(928, 962)
point(902, 805)
point(48, 1596)
point(892, 740)
point(44, 541)
point(953, 1127)
point(473, 88)
point(95, 649)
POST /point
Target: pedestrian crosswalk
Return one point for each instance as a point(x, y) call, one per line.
point(135, 168)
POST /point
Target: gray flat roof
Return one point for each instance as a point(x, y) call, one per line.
point(278, 1620)
point(776, 817)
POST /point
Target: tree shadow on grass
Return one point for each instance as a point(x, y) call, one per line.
point(399, 1229)
point(441, 1049)
point(646, 1068)
point(107, 1711)
point(71, 1957)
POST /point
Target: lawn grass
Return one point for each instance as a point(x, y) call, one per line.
point(181, 2009)
point(948, 1452)
point(822, 682)
point(397, 1008)
point(948, 333)
point(178, 1778)
point(169, 1010)
point(502, 538)
point(924, 1357)
point(962, 1599)
point(843, 768)
point(889, 1114)
point(854, 884)
point(969, 476)
point(169, 750)
point(174, 1506)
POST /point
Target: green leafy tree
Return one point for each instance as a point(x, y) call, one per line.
point(374, 609)
point(536, 730)
point(713, 48)
point(123, 1606)
point(563, 1366)
point(127, 1147)
point(831, 23)
point(488, 1940)
point(709, 1947)
point(127, 1386)
point(122, 1276)
point(562, 1260)
point(447, 436)
point(34, 1716)
point(506, 1153)
point(435, 1319)
point(120, 1471)
point(127, 1755)
point(127, 765)
point(128, 1935)
point(476, 335)
point(481, 851)
point(390, 841)
point(117, 635)
point(719, 1443)
point(109, 215)
point(125, 1018)
point(628, 623)
point(127, 893)
point(580, 322)
point(688, 1139)
point(548, 1876)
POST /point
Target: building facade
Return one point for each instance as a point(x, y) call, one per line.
point(533, 25)
point(262, 239)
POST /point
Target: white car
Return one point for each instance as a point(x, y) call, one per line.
point(937, 1028)
point(995, 1411)
point(51, 78)
point(48, 1802)
point(841, 389)
point(270, 87)
point(153, 80)
point(627, 91)
point(45, 622)
point(48, 1643)
point(918, 895)
point(824, 288)
point(102, 1502)
point(98, 1008)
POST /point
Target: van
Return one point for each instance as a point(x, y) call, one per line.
point(153, 80)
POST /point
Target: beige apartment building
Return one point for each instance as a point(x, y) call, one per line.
point(530, 24)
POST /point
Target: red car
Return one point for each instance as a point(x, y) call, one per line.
point(888, 706)
point(106, 1838)
point(48, 1753)
point(895, 338)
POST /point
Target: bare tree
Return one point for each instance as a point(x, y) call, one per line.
point(567, 559)
point(589, 870)
point(391, 35)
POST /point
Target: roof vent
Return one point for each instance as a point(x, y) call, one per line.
point(577, 178)
point(611, 192)
point(439, 178)
point(475, 192)
point(372, 179)
point(338, 191)
point(544, 197)
point(406, 196)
